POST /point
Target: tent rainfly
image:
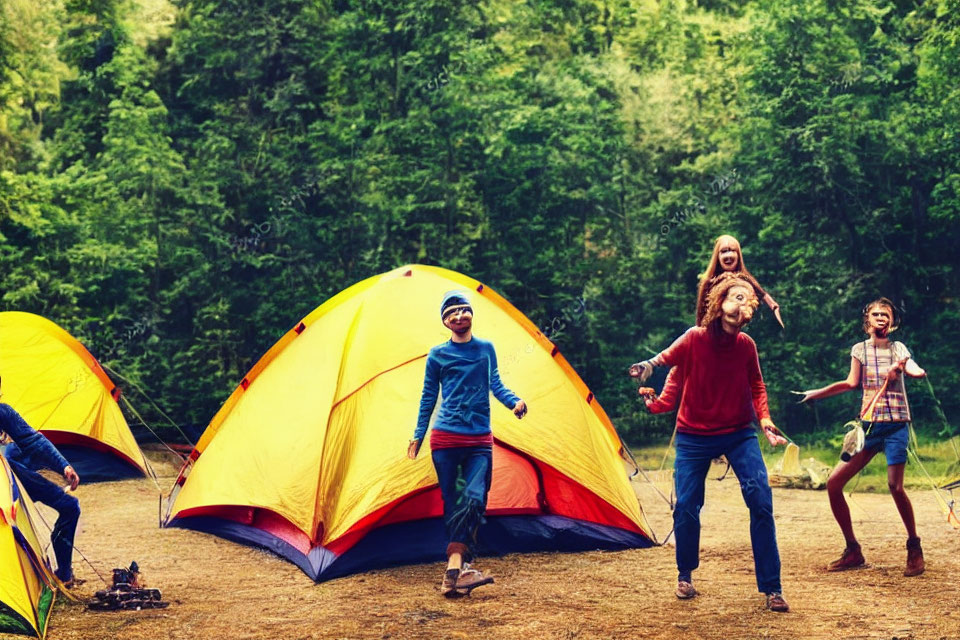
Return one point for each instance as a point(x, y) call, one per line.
point(27, 583)
point(62, 391)
point(307, 456)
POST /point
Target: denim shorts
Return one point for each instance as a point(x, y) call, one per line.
point(892, 438)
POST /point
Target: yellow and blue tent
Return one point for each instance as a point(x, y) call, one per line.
point(27, 584)
point(62, 391)
point(307, 457)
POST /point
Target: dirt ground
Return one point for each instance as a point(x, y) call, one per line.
point(223, 590)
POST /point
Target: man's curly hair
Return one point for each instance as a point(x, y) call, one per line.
point(718, 293)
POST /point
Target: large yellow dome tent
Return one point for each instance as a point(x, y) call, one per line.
point(62, 391)
point(307, 456)
point(27, 584)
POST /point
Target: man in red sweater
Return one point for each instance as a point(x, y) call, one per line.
point(722, 397)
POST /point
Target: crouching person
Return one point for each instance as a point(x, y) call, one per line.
point(28, 452)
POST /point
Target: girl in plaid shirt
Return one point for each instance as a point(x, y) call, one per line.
point(872, 362)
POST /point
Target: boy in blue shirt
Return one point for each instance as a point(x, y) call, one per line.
point(28, 452)
point(465, 367)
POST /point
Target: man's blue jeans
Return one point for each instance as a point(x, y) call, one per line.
point(61, 538)
point(463, 510)
point(694, 455)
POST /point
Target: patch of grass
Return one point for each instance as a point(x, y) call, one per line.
point(938, 457)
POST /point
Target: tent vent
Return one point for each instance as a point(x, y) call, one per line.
point(479, 288)
point(115, 394)
point(299, 328)
point(244, 383)
point(554, 352)
point(590, 397)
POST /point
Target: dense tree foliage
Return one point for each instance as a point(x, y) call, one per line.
point(181, 181)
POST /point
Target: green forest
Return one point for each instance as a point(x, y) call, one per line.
point(182, 180)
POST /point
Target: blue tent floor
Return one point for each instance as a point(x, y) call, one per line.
point(96, 466)
point(424, 541)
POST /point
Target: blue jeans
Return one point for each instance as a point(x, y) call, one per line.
point(463, 510)
point(61, 538)
point(694, 454)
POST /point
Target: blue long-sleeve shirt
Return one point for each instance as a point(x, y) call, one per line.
point(466, 373)
point(30, 448)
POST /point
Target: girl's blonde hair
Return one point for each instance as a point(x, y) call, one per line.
point(714, 269)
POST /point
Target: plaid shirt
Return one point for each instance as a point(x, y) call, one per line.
point(892, 405)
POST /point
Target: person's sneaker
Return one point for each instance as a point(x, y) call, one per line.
point(852, 557)
point(775, 602)
point(470, 579)
point(915, 564)
point(685, 590)
point(448, 588)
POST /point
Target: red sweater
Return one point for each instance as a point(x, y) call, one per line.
point(723, 388)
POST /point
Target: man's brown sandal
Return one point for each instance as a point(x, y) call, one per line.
point(775, 602)
point(685, 590)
